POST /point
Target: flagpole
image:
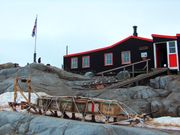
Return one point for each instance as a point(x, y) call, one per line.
point(35, 41)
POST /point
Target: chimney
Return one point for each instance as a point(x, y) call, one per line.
point(135, 31)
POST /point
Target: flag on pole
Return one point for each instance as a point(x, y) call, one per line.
point(34, 28)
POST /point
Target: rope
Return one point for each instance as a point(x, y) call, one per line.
point(123, 109)
point(46, 107)
point(128, 107)
point(57, 104)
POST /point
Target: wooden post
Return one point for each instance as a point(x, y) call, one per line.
point(93, 118)
point(73, 111)
point(29, 90)
point(133, 70)
point(15, 89)
point(147, 66)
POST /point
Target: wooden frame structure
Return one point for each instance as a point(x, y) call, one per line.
point(108, 110)
point(18, 88)
point(78, 108)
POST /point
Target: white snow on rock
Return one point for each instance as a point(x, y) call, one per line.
point(166, 123)
point(9, 97)
point(172, 121)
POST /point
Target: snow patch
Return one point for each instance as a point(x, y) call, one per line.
point(172, 121)
point(9, 97)
point(165, 123)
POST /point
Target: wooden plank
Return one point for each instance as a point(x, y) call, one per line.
point(137, 78)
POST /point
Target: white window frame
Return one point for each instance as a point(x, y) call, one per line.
point(74, 62)
point(123, 61)
point(172, 47)
point(84, 63)
point(108, 59)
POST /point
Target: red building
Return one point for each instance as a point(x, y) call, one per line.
point(161, 50)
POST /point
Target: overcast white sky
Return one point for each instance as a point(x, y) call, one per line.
point(81, 24)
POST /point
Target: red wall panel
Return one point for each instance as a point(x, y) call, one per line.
point(173, 60)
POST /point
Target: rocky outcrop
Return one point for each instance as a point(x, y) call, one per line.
point(138, 98)
point(12, 123)
point(161, 97)
point(61, 73)
point(44, 78)
point(8, 65)
point(170, 82)
point(168, 104)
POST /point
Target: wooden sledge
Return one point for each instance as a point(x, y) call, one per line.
point(75, 107)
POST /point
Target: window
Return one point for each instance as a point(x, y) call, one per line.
point(108, 59)
point(74, 63)
point(126, 57)
point(85, 61)
point(172, 48)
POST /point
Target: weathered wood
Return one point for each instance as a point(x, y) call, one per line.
point(123, 67)
point(137, 78)
point(81, 105)
point(18, 88)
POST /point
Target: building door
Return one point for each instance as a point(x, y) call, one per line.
point(160, 55)
point(172, 55)
point(166, 55)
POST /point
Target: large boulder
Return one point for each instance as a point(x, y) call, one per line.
point(162, 92)
point(122, 75)
point(169, 102)
point(163, 82)
point(89, 74)
point(144, 92)
point(137, 92)
point(157, 108)
point(168, 106)
point(17, 123)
